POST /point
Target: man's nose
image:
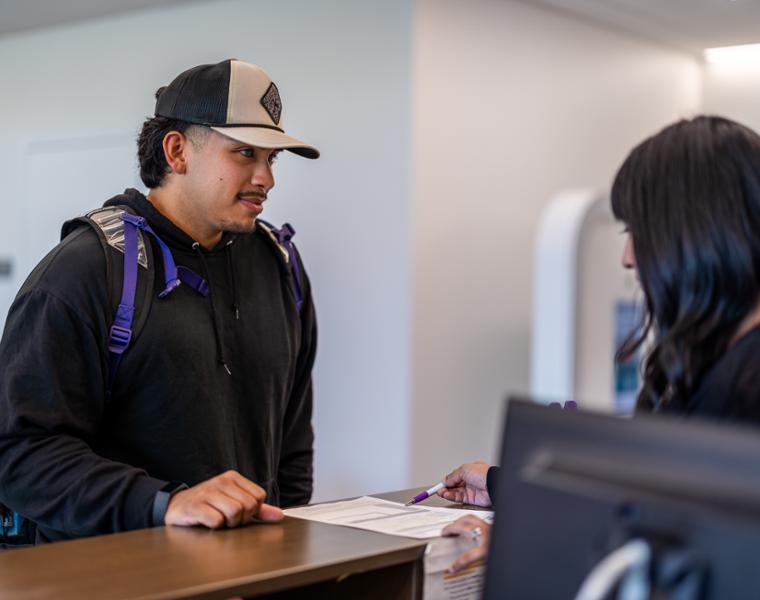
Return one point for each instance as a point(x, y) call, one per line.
point(262, 176)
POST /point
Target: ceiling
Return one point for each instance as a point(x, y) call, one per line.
point(690, 25)
point(22, 15)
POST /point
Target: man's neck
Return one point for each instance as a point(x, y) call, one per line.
point(169, 204)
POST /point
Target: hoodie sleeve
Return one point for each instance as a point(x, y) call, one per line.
point(52, 400)
point(295, 473)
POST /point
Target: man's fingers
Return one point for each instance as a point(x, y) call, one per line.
point(206, 515)
point(227, 499)
point(249, 503)
point(247, 496)
point(246, 485)
point(267, 512)
point(232, 509)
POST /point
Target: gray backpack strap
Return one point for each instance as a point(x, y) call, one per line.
point(282, 240)
point(107, 222)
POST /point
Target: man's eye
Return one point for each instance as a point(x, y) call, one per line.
point(247, 152)
point(273, 157)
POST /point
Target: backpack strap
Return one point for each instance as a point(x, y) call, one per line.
point(283, 240)
point(125, 250)
point(118, 227)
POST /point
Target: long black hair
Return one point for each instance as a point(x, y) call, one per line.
point(690, 198)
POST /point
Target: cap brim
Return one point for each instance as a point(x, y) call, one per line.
point(263, 137)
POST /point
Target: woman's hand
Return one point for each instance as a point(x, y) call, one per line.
point(479, 531)
point(467, 484)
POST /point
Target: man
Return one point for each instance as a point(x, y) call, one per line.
point(208, 412)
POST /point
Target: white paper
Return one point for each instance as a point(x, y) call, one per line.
point(384, 516)
point(439, 585)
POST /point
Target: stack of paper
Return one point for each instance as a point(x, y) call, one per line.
point(385, 516)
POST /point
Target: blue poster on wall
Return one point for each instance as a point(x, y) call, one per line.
point(627, 320)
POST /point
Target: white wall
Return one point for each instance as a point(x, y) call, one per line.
point(511, 104)
point(342, 67)
point(445, 128)
point(733, 91)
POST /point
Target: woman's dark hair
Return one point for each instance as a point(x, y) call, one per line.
point(690, 197)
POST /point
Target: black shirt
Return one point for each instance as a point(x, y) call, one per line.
point(729, 390)
point(731, 387)
point(79, 462)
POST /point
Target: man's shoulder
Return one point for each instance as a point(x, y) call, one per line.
point(76, 260)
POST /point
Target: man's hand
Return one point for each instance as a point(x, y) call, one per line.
point(467, 484)
point(479, 531)
point(227, 500)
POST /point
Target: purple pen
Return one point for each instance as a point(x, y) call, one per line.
point(426, 494)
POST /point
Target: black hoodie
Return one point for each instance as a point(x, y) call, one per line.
point(78, 462)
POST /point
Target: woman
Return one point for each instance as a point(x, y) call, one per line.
point(689, 197)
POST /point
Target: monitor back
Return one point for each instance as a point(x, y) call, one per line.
point(574, 486)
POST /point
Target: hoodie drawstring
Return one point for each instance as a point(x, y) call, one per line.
point(231, 275)
point(214, 320)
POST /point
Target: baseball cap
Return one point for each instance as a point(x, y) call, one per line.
point(235, 98)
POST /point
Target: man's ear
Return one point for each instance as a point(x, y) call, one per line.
point(176, 147)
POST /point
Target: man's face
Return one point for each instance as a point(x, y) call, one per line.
point(226, 184)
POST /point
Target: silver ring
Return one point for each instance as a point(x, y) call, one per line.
point(476, 532)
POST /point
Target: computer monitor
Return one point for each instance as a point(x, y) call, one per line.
point(575, 486)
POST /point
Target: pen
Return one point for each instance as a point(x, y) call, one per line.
point(426, 494)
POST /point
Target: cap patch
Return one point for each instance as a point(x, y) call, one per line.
point(271, 102)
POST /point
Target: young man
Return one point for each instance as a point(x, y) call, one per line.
point(208, 411)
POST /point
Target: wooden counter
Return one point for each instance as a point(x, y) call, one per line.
point(291, 559)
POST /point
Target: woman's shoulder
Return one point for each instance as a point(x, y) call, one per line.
point(731, 388)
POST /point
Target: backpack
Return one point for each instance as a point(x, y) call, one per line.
point(119, 228)
point(15, 530)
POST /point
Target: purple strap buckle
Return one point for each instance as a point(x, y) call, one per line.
point(191, 279)
point(170, 287)
point(172, 281)
point(119, 338)
point(136, 220)
point(286, 233)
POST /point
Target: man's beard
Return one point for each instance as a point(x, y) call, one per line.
point(239, 228)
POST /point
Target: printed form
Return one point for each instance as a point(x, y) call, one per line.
point(393, 518)
point(385, 516)
point(439, 584)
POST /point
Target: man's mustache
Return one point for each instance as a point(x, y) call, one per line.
point(253, 194)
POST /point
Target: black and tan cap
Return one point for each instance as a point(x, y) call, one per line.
point(235, 98)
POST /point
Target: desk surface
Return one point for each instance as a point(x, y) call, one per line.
point(179, 562)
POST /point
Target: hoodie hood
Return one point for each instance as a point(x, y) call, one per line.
point(172, 235)
point(178, 240)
